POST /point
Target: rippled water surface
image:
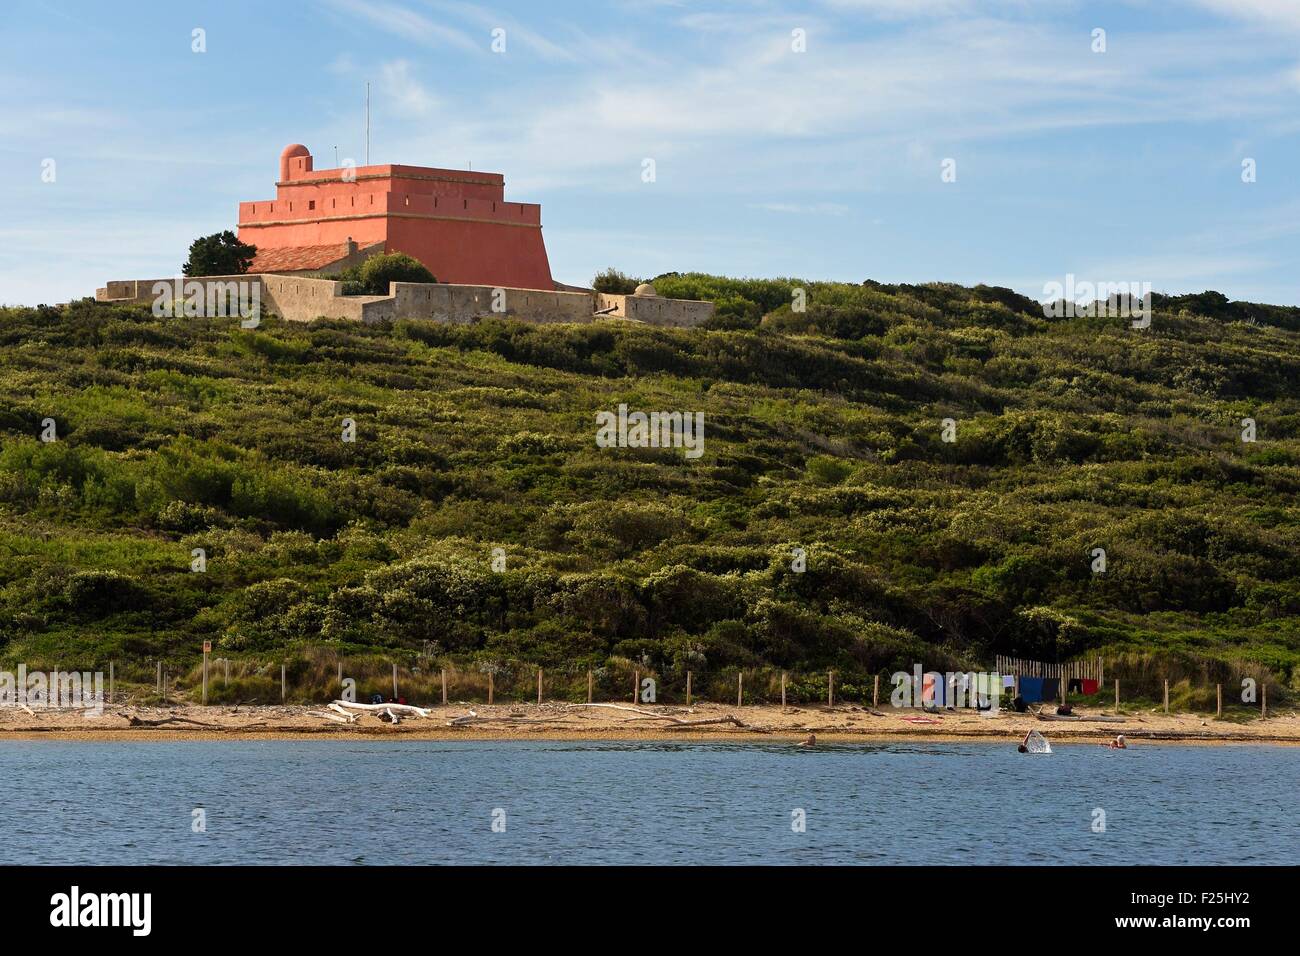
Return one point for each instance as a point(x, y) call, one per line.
point(435, 802)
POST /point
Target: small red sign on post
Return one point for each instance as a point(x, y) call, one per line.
point(207, 647)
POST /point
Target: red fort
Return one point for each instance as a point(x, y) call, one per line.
point(456, 222)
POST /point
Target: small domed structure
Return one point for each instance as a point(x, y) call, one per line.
point(288, 155)
point(645, 288)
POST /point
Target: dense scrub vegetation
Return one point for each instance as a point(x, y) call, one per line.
point(372, 276)
point(822, 432)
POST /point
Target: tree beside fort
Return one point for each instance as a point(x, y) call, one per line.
point(220, 254)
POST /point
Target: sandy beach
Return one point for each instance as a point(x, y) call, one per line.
point(560, 721)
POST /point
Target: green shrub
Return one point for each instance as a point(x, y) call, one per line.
point(613, 282)
point(373, 276)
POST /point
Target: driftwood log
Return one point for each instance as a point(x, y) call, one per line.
point(405, 709)
point(672, 721)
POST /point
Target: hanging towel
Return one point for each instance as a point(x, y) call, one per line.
point(1008, 680)
point(1076, 685)
point(931, 691)
point(1031, 689)
point(1051, 688)
point(1090, 687)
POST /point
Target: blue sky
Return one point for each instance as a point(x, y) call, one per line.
point(1114, 166)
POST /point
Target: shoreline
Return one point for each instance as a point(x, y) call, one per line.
point(713, 723)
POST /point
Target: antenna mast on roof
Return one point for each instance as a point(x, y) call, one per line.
point(367, 122)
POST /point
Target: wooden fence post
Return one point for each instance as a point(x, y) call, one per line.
point(1263, 699)
point(110, 682)
point(444, 687)
point(590, 685)
point(394, 681)
point(206, 647)
point(688, 688)
point(226, 680)
point(340, 676)
point(740, 688)
point(1219, 694)
point(1117, 695)
point(875, 693)
point(830, 689)
point(782, 689)
point(160, 687)
point(1166, 696)
point(491, 689)
point(539, 687)
point(636, 685)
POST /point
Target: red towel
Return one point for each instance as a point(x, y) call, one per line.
point(1089, 687)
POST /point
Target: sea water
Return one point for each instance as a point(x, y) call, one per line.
point(550, 802)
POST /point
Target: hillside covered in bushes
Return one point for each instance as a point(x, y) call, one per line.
point(822, 433)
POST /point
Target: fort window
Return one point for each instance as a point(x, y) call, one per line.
point(311, 204)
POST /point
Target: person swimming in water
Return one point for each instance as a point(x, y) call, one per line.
point(810, 742)
point(1024, 748)
point(1118, 743)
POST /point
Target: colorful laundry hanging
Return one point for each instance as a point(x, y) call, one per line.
point(1091, 687)
point(1051, 688)
point(1076, 685)
point(1031, 689)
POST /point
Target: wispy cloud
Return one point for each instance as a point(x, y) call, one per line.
point(803, 209)
point(406, 23)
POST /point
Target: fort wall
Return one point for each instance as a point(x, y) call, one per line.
point(298, 298)
point(654, 310)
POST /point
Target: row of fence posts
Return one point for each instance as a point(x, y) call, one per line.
point(636, 686)
point(1218, 691)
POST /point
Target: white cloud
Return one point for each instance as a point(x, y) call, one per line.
point(407, 24)
point(1284, 13)
point(803, 209)
point(406, 92)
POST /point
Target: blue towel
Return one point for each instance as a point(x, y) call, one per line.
point(1031, 689)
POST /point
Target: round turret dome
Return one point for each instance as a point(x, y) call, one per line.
point(645, 288)
point(291, 152)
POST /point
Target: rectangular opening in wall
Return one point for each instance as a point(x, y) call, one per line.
point(311, 204)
